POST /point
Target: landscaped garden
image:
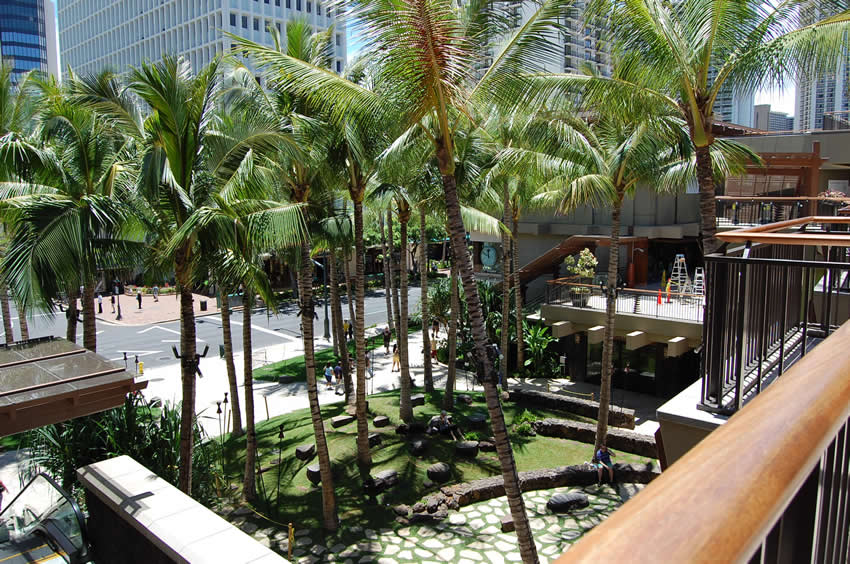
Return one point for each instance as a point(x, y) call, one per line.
point(286, 494)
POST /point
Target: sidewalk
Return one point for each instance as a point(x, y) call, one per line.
point(166, 309)
point(272, 399)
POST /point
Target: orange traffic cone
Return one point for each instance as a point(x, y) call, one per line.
point(659, 296)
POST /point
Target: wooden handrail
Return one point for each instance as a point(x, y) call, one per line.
point(768, 233)
point(567, 282)
point(719, 501)
point(779, 199)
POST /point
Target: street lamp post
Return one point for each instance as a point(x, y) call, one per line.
point(327, 335)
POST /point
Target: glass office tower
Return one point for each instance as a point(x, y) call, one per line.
point(23, 35)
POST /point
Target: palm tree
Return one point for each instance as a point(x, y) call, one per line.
point(600, 165)
point(439, 39)
point(70, 220)
point(680, 56)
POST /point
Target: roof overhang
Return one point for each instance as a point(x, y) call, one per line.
point(50, 380)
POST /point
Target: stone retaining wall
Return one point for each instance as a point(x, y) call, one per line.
point(435, 507)
point(618, 439)
point(618, 417)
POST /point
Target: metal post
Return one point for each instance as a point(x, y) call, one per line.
point(327, 334)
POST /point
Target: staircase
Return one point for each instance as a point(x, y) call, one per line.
point(552, 259)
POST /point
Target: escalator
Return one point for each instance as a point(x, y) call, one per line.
point(43, 524)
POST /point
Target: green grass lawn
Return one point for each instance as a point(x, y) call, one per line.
point(299, 501)
point(12, 442)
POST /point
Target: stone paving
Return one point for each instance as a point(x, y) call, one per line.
point(468, 536)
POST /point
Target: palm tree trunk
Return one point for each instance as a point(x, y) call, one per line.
point(236, 429)
point(347, 271)
point(610, 315)
point(364, 457)
point(305, 282)
point(507, 245)
point(451, 372)
point(486, 373)
point(423, 279)
point(89, 325)
point(387, 280)
point(707, 203)
point(7, 316)
point(22, 319)
point(334, 298)
point(187, 373)
point(70, 315)
point(249, 479)
point(336, 315)
point(405, 409)
point(393, 285)
point(520, 341)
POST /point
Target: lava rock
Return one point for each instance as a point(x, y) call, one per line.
point(566, 502)
point(314, 474)
point(419, 507)
point(341, 420)
point(466, 448)
point(381, 421)
point(477, 420)
point(439, 472)
point(380, 482)
point(402, 429)
point(463, 398)
point(286, 380)
point(388, 476)
point(305, 452)
point(417, 400)
point(423, 518)
point(374, 439)
point(418, 446)
point(508, 524)
point(402, 510)
point(487, 446)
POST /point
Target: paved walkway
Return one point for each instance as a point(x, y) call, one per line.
point(167, 308)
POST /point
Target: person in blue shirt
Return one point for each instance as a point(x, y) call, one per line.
point(603, 459)
point(329, 375)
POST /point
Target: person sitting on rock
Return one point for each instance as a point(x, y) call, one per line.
point(443, 424)
point(603, 458)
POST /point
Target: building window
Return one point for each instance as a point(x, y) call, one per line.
point(338, 39)
point(309, 7)
point(256, 24)
point(318, 9)
point(245, 22)
point(266, 1)
point(298, 5)
point(233, 19)
point(277, 2)
point(338, 66)
point(277, 25)
point(288, 4)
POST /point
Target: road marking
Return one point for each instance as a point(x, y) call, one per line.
point(138, 353)
point(158, 327)
point(264, 330)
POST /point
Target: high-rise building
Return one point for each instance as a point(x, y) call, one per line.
point(825, 94)
point(120, 33)
point(734, 107)
point(767, 120)
point(28, 36)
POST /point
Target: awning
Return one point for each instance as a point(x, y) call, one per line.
point(44, 381)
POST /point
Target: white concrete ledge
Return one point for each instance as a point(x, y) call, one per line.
point(183, 529)
point(595, 334)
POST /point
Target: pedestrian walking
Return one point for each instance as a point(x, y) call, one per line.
point(345, 327)
point(100, 303)
point(351, 330)
point(139, 297)
point(329, 375)
point(435, 328)
point(112, 299)
point(396, 359)
point(386, 334)
point(156, 293)
point(338, 371)
point(2, 490)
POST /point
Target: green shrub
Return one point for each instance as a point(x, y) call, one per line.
point(524, 429)
point(526, 417)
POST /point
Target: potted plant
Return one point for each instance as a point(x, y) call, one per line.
point(582, 266)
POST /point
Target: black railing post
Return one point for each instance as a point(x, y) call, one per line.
point(739, 331)
point(783, 325)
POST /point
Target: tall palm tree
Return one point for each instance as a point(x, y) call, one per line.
point(70, 220)
point(423, 49)
point(680, 56)
point(601, 165)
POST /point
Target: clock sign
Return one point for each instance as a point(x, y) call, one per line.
point(489, 255)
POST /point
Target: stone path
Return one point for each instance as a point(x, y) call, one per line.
point(468, 536)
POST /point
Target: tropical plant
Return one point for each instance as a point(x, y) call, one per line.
point(538, 338)
point(679, 57)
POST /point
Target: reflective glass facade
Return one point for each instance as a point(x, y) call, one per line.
point(23, 41)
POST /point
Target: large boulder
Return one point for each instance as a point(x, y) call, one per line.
point(477, 420)
point(374, 439)
point(286, 379)
point(618, 417)
point(417, 400)
point(487, 446)
point(468, 449)
point(314, 474)
point(305, 452)
point(380, 482)
point(566, 502)
point(381, 421)
point(418, 446)
point(341, 420)
point(439, 472)
point(508, 524)
point(463, 398)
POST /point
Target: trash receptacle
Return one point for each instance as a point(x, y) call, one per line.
point(203, 305)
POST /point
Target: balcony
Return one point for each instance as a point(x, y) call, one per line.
point(734, 212)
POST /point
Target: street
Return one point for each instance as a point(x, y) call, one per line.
point(152, 343)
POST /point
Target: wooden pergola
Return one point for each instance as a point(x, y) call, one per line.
point(50, 380)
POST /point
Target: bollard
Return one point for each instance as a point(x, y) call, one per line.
point(291, 540)
point(141, 368)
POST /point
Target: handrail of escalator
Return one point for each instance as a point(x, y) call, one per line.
point(78, 515)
